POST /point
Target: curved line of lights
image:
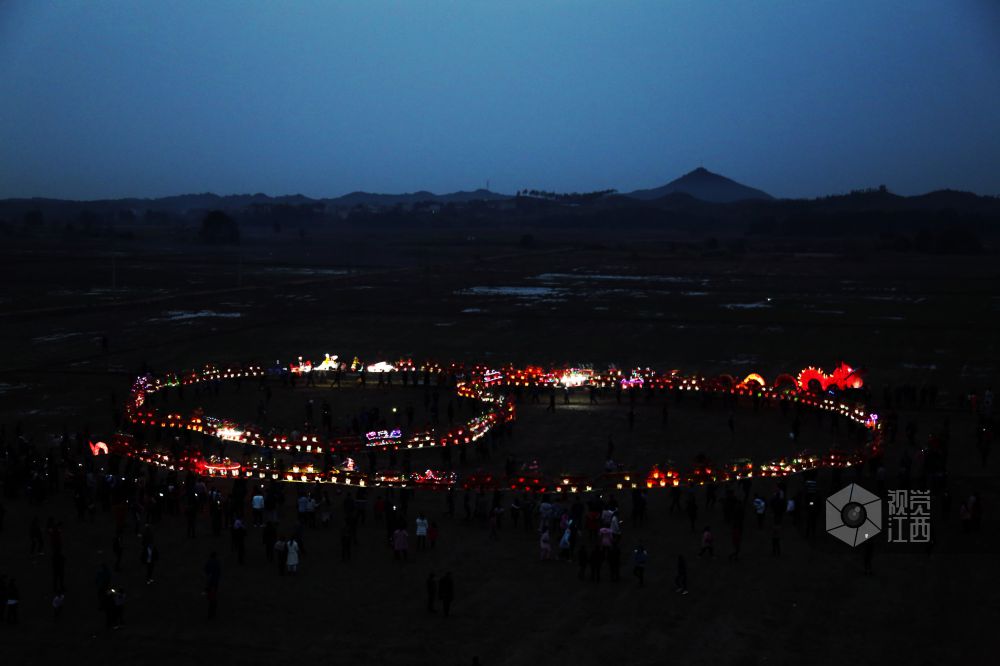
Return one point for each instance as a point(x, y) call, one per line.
point(485, 385)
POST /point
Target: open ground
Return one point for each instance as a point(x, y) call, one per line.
point(648, 300)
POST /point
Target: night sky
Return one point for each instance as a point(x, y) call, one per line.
point(115, 99)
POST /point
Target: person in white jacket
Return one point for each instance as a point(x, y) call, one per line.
point(616, 528)
point(421, 532)
point(292, 556)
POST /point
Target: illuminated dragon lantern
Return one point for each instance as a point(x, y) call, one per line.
point(843, 377)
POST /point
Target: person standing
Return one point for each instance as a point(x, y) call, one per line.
point(446, 592)
point(421, 532)
point(150, 558)
point(213, 574)
point(759, 507)
point(432, 591)
point(239, 540)
point(292, 556)
point(281, 550)
point(432, 534)
point(565, 544)
point(400, 544)
point(681, 580)
point(706, 543)
point(605, 539)
point(303, 506)
point(639, 557)
point(616, 529)
point(545, 546)
point(257, 506)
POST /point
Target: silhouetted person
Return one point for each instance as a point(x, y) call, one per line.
point(681, 581)
point(639, 557)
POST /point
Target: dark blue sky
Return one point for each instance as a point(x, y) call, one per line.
point(797, 98)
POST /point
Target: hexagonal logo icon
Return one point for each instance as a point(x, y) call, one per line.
point(853, 514)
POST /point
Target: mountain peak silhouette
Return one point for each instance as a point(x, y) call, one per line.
point(703, 184)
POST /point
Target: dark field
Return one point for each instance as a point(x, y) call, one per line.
point(908, 319)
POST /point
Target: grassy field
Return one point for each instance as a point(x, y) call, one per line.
point(908, 319)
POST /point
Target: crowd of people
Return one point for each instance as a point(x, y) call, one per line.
point(586, 529)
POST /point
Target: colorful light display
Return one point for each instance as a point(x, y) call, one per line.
point(380, 437)
point(843, 377)
point(329, 363)
point(487, 387)
point(576, 377)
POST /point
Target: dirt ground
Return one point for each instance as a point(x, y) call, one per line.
point(908, 319)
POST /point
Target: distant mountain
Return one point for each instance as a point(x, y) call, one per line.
point(194, 203)
point(704, 185)
point(694, 203)
point(373, 199)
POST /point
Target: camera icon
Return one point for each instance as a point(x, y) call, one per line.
point(853, 514)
